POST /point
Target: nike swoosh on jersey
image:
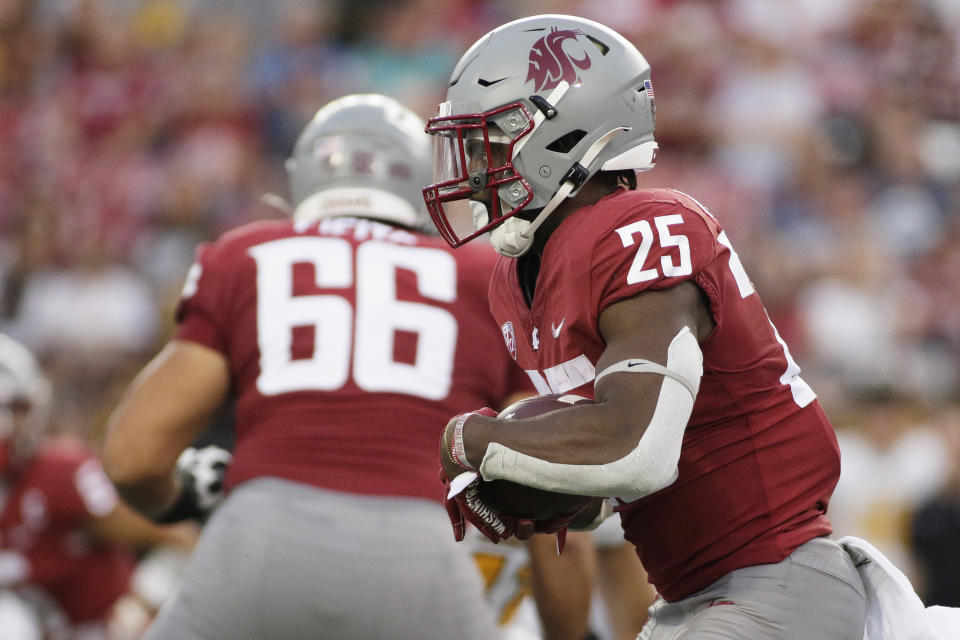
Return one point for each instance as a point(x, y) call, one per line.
point(556, 328)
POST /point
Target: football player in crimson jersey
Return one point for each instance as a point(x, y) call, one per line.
point(349, 335)
point(711, 446)
point(67, 544)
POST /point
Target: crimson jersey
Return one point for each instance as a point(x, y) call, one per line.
point(350, 344)
point(759, 459)
point(46, 504)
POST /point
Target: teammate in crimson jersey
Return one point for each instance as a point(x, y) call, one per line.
point(713, 449)
point(55, 494)
point(349, 336)
point(66, 542)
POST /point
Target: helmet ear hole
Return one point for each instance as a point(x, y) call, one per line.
point(566, 142)
point(599, 45)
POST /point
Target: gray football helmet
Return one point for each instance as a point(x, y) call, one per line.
point(563, 98)
point(361, 155)
point(24, 401)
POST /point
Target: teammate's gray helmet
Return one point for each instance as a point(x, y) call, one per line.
point(362, 155)
point(568, 96)
point(20, 376)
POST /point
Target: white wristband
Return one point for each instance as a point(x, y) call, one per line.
point(457, 449)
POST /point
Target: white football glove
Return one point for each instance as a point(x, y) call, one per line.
point(204, 469)
point(201, 474)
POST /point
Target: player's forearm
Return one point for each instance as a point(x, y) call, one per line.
point(582, 434)
point(151, 496)
point(652, 461)
point(166, 408)
point(145, 480)
point(587, 433)
point(127, 528)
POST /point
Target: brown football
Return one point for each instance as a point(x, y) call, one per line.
point(521, 501)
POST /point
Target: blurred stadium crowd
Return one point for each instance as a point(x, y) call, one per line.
point(825, 135)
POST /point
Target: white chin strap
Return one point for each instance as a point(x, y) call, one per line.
point(509, 239)
point(514, 237)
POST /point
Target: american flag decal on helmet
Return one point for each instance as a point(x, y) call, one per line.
point(648, 88)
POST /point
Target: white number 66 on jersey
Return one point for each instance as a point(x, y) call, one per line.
point(377, 317)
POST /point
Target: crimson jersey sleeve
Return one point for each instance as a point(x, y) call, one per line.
point(45, 517)
point(199, 301)
point(655, 244)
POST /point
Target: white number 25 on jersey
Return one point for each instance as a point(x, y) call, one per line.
point(802, 393)
point(377, 317)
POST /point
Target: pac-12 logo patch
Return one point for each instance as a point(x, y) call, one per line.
point(511, 341)
point(550, 63)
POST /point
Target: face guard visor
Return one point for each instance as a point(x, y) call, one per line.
point(476, 187)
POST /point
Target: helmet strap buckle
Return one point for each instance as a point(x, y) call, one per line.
point(548, 110)
point(577, 174)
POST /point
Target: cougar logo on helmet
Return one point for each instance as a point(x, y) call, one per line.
point(549, 63)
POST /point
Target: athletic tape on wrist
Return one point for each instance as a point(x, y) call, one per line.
point(459, 451)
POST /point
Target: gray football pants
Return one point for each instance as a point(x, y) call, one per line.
point(282, 561)
point(815, 593)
